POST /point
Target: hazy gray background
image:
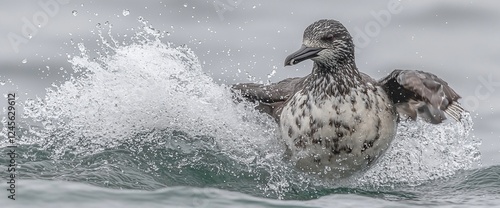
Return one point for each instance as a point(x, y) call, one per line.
point(457, 40)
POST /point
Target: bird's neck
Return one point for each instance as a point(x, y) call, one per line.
point(334, 79)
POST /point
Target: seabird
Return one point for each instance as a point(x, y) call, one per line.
point(337, 121)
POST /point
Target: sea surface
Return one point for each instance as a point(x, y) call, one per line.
point(127, 104)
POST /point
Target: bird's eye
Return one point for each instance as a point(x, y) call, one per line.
point(328, 37)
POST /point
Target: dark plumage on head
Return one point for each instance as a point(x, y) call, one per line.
point(326, 42)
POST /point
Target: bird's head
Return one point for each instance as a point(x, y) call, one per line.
point(326, 42)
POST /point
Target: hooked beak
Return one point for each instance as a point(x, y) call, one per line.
point(302, 54)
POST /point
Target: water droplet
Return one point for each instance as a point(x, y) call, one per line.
point(62, 68)
point(24, 61)
point(2, 82)
point(272, 74)
point(254, 7)
point(30, 36)
point(185, 5)
point(126, 12)
point(98, 25)
point(81, 47)
point(74, 12)
point(106, 23)
point(168, 33)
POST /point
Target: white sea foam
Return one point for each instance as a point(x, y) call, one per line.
point(140, 87)
point(423, 152)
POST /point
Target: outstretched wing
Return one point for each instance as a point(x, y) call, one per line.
point(270, 97)
point(418, 93)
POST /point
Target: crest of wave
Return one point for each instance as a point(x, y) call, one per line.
point(142, 87)
point(422, 152)
point(146, 88)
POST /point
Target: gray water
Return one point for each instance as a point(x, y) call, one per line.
point(456, 40)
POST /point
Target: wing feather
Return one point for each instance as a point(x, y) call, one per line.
point(270, 98)
point(417, 93)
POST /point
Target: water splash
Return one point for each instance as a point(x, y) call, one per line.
point(423, 152)
point(139, 88)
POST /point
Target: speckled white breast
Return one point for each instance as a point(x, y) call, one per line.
point(337, 136)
